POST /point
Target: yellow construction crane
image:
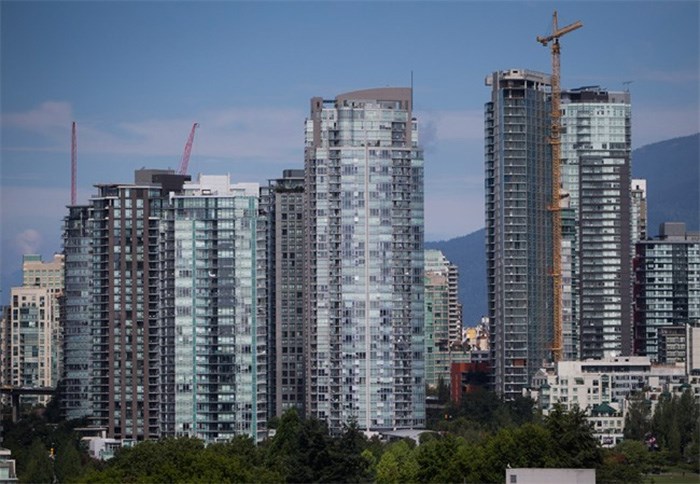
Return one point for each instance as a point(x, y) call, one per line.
point(555, 141)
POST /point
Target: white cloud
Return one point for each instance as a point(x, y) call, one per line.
point(230, 132)
point(50, 118)
point(28, 242)
point(31, 222)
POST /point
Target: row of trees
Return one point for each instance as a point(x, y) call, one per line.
point(303, 451)
point(673, 428)
point(474, 442)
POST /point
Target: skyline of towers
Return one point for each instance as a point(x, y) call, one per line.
point(184, 294)
point(364, 261)
point(177, 334)
point(205, 308)
point(599, 220)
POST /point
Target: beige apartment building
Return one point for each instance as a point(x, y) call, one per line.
point(31, 331)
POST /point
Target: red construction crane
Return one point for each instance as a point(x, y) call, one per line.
point(188, 150)
point(73, 166)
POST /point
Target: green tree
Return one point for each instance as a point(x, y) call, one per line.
point(398, 464)
point(522, 410)
point(638, 418)
point(500, 451)
point(346, 460)
point(466, 465)
point(67, 463)
point(433, 457)
point(300, 451)
point(39, 468)
point(674, 424)
point(688, 415)
point(573, 437)
point(443, 391)
point(615, 468)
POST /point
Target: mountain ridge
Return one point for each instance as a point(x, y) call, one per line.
point(670, 198)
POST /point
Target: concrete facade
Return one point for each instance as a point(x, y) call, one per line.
point(518, 226)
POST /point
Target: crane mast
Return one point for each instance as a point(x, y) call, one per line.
point(555, 141)
point(188, 150)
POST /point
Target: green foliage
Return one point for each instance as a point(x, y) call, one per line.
point(348, 462)
point(638, 418)
point(23, 438)
point(676, 426)
point(185, 460)
point(443, 391)
point(68, 461)
point(481, 413)
point(398, 464)
point(575, 444)
point(616, 469)
point(466, 465)
point(38, 468)
point(303, 450)
point(433, 457)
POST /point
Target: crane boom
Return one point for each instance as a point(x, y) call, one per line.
point(188, 150)
point(555, 141)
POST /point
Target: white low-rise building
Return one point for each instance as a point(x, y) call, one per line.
point(602, 388)
point(99, 446)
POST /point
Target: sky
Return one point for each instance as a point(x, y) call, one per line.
point(135, 76)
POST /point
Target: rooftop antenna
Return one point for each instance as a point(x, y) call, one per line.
point(411, 90)
point(627, 85)
point(73, 165)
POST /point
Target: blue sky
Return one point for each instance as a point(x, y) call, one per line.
point(136, 75)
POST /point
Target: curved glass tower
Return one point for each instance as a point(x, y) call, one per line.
point(364, 261)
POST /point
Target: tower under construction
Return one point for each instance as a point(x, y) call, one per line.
point(519, 238)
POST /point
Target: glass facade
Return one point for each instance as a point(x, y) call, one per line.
point(518, 227)
point(77, 337)
point(667, 287)
point(171, 277)
point(443, 318)
point(220, 360)
point(364, 273)
point(596, 146)
point(283, 200)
